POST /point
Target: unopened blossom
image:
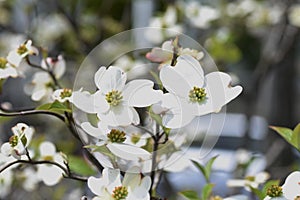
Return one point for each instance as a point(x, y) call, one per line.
point(250, 181)
point(199, 15)
point(57, 65)
point(191, 93)
point(164, 26)
point(18, 143)
point(6, 69)
point(114, 101)
point(116, 140)
point(16, 56)
point(110, 186)
point(48, 173)
point(164, 54)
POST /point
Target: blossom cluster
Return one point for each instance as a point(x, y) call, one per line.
point(132, 149)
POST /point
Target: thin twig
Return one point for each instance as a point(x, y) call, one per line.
point(33, 112)
point(68, 173)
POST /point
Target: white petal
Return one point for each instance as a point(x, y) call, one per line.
point(47, 148)
point(49, 174)
point(38, 94)
point(6, 149)
point(191, 69)
point(142, 191)
point(182, 77)
point(89, 103)
point(14, 58)
point(93, 131)
point(140, 93)
point(96, 185)
point(131, 179)
point(8, 72)
point(136, 117)
point(114, 179)
point(98, 76)
point(180, 112)
point(118, 116)
point(291, 187)
point(59, 67)
point(219, 90)
point(128, 152)
point(237, 197)
point(112, 79)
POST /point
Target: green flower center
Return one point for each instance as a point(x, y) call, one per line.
point(135, 138)
point(3, 62)
point(274, 191)
point(114, 97)
point(116, 136)
point(13, 140)
point(197, 95)
point(22, 49)
point(120, 193)
point(48, 158)
point(65, 93)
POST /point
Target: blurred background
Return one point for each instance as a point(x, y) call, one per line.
point(255, 41)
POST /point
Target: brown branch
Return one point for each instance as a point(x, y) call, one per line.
point(33, 112)
point(68, 174)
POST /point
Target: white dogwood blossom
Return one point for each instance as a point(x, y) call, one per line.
point(18, 143)
point(191, 93)
point(199, 15)
point(116, 140)
point(42, 83)
point(16, 56)
point(114, 101)
point(111, 187)
point(163, 26)
point(249, 181)
point(6, 69)
point(48, 173)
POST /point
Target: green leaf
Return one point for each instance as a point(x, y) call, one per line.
point(80, 166)
point(201, 168)
point(296, 136)
point(102, 149)
point(56, 106)
point(268, 185)
point(206, 169)
point(190, 195)
point(208, 166)
point(258, 193)
point(286, 133)
point(44, 106)
point(291, 136)
point(206, 191)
